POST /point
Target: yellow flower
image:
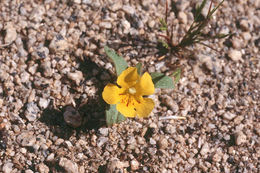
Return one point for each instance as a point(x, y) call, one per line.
point(129, 96)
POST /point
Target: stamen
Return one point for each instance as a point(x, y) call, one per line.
point(132, 90)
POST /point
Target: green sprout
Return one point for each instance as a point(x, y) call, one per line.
point(194, 34)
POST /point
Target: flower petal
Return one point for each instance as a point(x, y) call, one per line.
point(128, 77)
point(127, 111)
point(145, 107)
point(145, 85)
point(111, 94)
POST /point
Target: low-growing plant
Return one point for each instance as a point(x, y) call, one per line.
point(127, 98)
point(195, 34)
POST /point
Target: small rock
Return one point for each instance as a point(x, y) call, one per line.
point(43, 103)
point(134, 165)
point(26, 139)
point(126, 26)
point(47, 70)
point(235, 55)
point(168, 101)
point(68, 165)
point(128, 9)
point(205, 149)
point(59, 44)
point(72, 117)
point(183, 17)
point(240, 138)
point(182, 5)
point(101, 141)
point(8, 167)
point(40, 53)
point(28, 171)
point(198, 74)
point(116, 6)
point(244, 25)
point(42, 168)
point(106, 25)
point(103, 131)
point(10, 33)
point(229, 116)
point(163, 143)
point(76, 76)
point(31, 111)
point(77, 1)
point(50, 157)
point(115, 165)
point(152, 141)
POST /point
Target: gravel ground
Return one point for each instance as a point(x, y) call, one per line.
point(52, 57)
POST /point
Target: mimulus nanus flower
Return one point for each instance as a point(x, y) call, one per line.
point(129, 96)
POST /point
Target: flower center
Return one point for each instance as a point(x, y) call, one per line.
point(132, 90)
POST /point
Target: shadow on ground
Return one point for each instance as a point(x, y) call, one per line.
point(92, 112)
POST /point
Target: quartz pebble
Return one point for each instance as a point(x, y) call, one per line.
point(11, 33)
point(76, 76)
point(68, 165)
point(8, 167)
point(42, 168)
point(58, 44)
point(31, 111)
point(229, 115)
point(134, 165)
point(235, 55)
point(115, 165)
point(240, 138)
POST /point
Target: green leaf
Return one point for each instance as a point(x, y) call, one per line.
point(120, 63)
point(113, 116)
point(162, 81)
point(139, 68)
point(177, 75)
point(199, 9)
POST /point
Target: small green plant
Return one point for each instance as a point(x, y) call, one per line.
point(125, 98)
point(195, 32)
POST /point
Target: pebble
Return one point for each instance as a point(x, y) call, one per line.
point(43, 103)
point(31, 111)
point(240, 138)
point(68, 165)
point(76, 76)
point(106, 25)
point(103, 131)
point(205, 149)
point(229, 116)
point(168, 101)
point(114, 165)
point(117, 5)
point(134, 165)
point(152, 141)
point(11, 33)
point(244, 25)
point(183, 17)
point(72, 117)
point(59, 44)
point(235, 55)
point(128, 9)
point(47, 70)
point(41, 52)
point(42, 168)
point(163, 143)
point(126, 26)
point(8, 167)
point(101, 141)
point(28, 171)
point(26, 139)
point(50, 157)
